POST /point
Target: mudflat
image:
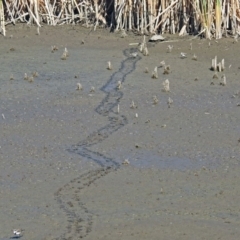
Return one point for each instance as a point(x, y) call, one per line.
point(91, 164)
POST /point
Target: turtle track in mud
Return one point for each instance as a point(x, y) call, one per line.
point(79, 217)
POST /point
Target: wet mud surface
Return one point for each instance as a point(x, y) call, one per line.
point(62, 151)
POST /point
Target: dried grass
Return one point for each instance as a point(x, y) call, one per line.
point(211, 18)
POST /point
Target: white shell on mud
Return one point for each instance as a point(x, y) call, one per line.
point(156, 38)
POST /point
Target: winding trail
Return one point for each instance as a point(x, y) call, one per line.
point(79, 217)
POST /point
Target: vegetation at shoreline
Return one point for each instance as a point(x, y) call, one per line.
point(210, 18)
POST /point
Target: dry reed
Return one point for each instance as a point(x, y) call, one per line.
point(194, 57)
point(169, 102)
point(166, 69)
point(92, 90)
point(119, 85)
point(209, 18)
point(155, 73)
point(224, 82)
point(109, 65)
point(79, 86)
point(133, 105)
point(155, 100)
point(146, 70)
point(2, 18)
point(166, 86)
point(25, 76)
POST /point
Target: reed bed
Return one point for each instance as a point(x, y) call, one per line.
point(209, 18)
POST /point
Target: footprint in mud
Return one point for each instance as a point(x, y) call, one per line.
point(79, 217)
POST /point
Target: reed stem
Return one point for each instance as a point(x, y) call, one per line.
point(198, 17)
